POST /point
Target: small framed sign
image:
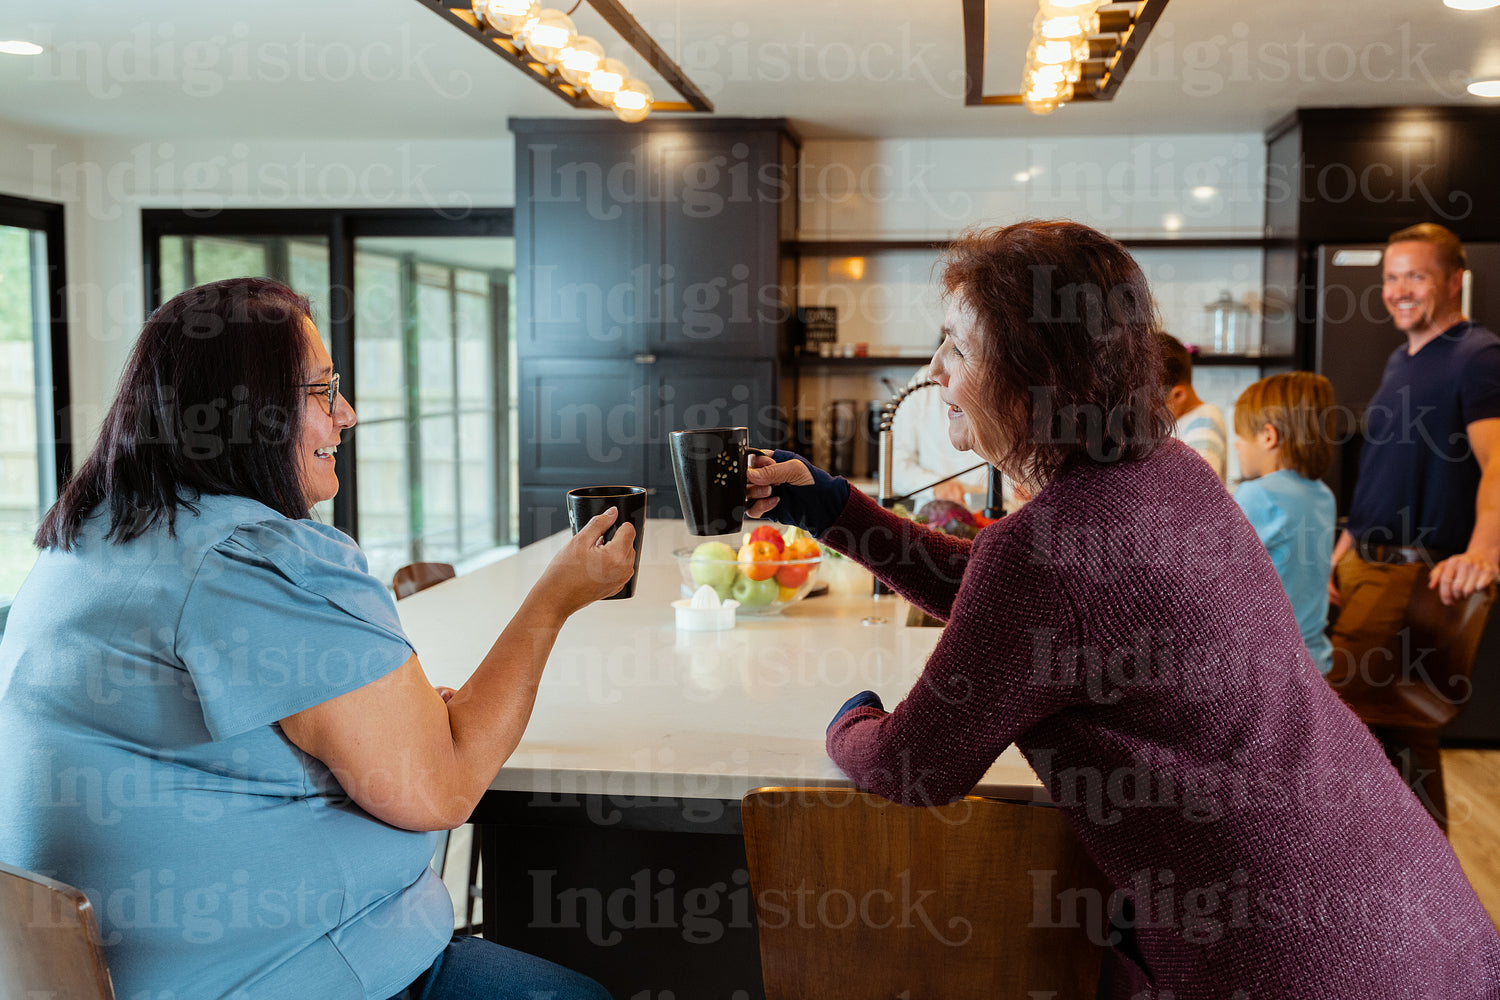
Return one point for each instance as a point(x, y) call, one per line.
point(820, 324)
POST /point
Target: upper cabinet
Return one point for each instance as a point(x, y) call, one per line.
point(654, 293)
point(581, 260)
point(1358, 174)
point(658, 237)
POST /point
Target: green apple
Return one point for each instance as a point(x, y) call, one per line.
point(713, 564)
point(754, 593)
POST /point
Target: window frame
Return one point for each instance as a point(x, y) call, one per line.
point(341, 227)
point(49, 218)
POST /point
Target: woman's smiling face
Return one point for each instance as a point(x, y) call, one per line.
point(321, 425)
point(959, 369)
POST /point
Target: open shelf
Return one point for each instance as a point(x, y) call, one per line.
point(871, 361)
point(1203, 360)
point(856, 247)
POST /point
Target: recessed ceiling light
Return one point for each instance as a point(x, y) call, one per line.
point(1023, 176)
point(1471, 4)
point(19, 48)
point(1485, 88)
point(1171, 222)
point(1203, 192)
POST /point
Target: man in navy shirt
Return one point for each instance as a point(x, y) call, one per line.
point(1424, 526)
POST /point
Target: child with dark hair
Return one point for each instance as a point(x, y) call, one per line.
point(1281, 436)
point(1200, 425)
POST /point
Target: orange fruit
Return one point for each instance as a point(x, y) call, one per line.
point(757, 560)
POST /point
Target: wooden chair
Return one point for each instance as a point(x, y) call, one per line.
point(418, 576)
point(49, 940)
point(1407, 697)
point(857, 897)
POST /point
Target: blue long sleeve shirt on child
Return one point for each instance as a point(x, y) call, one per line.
point(1294, 518)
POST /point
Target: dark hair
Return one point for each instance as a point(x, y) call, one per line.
point(209, 403)
point(1300, 406)
point(1450, 249)
point(1067, 330)
point(1176, 362)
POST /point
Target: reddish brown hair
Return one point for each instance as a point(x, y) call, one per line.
point(1450, 249)
point(1068, 338)
point(1300, 406)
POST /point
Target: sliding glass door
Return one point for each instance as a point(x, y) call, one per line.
point(415, 310)
point(34, 453)
point(436, 396)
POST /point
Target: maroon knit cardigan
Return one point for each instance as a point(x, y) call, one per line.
point(1127, 631)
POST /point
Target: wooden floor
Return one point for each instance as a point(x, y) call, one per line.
point(1472, 780)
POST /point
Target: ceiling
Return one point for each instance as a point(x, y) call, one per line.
point(363, 69)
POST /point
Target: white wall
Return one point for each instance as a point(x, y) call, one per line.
point(1142, 186)
point(104, 184)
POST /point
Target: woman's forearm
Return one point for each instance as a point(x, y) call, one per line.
point(488, 715)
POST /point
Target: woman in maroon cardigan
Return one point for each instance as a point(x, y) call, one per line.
point(1127, 631)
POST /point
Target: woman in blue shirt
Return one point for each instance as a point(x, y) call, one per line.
point(214, 724)
point(1281, 437)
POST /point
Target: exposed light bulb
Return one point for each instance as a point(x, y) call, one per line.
point(1039, 107)
point(509, 16)
point(632, 101)
point(605, 81)
point(551, 33)
point(1069, 8)
point(1057, 52)
point(578, 60)
point(1067, 26)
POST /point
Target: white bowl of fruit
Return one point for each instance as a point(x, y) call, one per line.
point(773, 568)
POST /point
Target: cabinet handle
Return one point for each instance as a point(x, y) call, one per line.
point(645, 359)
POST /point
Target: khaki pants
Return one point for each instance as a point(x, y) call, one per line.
point(1392, 664)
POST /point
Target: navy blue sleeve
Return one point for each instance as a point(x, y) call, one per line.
point(1479, 385)
point(812, 508)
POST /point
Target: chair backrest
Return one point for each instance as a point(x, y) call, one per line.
point(857, 897)
point(413, 577)
point(49, 940)
point(1440, 654)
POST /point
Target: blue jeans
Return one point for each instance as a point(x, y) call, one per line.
point(472, 968)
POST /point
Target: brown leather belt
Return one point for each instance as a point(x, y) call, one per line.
point(1397, 554)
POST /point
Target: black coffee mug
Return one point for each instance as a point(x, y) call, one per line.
point(587, 502)
point(709, 466)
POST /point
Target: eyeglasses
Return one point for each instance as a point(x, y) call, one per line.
point(330, 389)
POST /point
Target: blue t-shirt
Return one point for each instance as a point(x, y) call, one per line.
point(1294, 517)
point(1418, 478)
point(141, 760)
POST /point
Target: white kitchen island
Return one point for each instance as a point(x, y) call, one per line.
point(629, 705)
point(612, 838)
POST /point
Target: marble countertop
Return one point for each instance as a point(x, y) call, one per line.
point(629, 706)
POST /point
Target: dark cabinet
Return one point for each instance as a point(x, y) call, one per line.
point(650, 296)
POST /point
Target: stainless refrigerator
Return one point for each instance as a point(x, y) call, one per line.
point(1354, 337)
